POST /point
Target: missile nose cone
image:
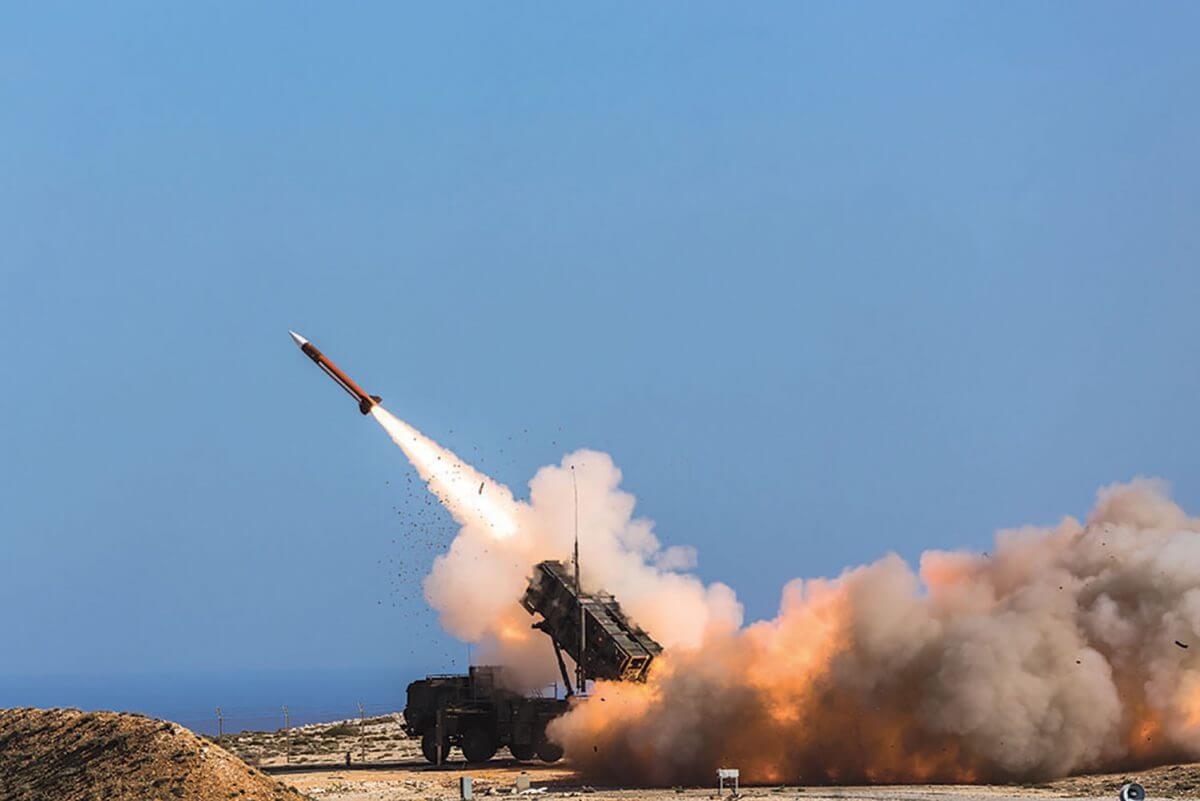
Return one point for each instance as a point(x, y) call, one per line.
point(299, 340)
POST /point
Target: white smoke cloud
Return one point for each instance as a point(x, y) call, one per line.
point(1063, 649)
point(476, 585)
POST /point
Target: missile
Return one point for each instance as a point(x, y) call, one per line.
point(365, 401)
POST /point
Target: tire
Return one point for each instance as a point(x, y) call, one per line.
point(429, 747)
point(549, 752)
point(524, 752)
point(478, 745)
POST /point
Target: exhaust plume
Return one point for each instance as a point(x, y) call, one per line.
point(476, 585)
point(1064, 649)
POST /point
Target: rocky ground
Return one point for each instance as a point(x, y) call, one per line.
point(394, 770)
point(375, 740)
point(67, 755)
point(419, 782)
point(1168, 781)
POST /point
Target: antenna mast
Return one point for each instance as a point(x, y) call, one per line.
point(580, 679)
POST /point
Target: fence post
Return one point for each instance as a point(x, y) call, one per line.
point(362, 730)
point(287, 733)
point(220, 724)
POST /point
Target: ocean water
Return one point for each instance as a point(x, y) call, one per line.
point(249, 700)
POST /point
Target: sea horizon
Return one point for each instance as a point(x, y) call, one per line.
point(249, 699)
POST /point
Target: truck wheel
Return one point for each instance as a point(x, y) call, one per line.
point(478, 745)
point(523, 752)
point(429, 747)
point(549, 752)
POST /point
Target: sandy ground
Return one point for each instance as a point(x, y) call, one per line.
point(415, 780)
point(312, 760)
point(72, 755)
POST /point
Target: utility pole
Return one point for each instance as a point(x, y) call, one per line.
point(580, 679)
point(287, 733)
point(362, 728)
point(220, 724)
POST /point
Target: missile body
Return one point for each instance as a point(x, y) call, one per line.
point(365, 401)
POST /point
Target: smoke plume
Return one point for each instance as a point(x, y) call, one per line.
point(1063, 649)
point(475, 586)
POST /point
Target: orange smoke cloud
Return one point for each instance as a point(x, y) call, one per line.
point(1061, 650)
point(1054, 654)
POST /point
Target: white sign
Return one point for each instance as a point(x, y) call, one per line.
point(727, 773)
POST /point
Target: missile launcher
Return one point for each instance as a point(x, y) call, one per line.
point(478, 715)
point(612, 646)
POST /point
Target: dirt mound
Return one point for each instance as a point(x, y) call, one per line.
point(68, 755)
point(1168, 781)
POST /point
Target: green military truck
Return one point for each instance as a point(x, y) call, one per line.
point(478, 715)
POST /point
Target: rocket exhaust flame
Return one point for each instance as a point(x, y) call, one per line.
point(459, 487)
point(1054, 654)
point(477, 584)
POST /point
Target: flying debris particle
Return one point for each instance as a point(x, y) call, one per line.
point(1182, 645)
point(480, 487)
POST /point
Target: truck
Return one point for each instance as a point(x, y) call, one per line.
point(477, 713)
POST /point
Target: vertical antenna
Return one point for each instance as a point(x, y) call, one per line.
point(580, 679)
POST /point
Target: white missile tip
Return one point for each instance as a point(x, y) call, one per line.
point(299, 340)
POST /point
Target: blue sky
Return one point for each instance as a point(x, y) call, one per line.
point(827, 281)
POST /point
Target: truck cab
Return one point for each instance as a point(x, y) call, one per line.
point(478, 715)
